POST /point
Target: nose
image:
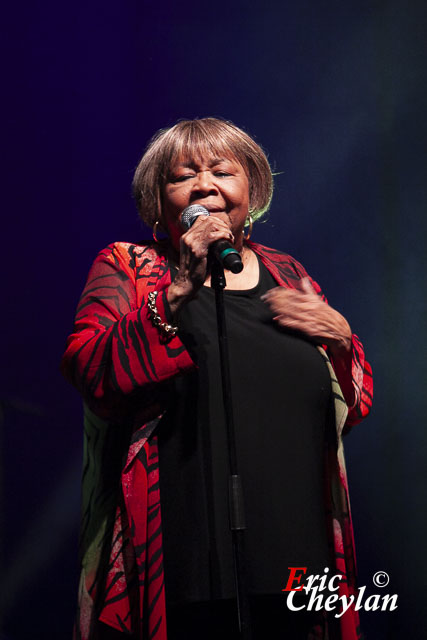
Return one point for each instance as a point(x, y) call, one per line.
point(205, 183)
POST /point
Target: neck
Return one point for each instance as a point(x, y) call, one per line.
point(247, 278)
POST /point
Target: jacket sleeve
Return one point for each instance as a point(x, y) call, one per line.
point(361, 372)
point(114, 349)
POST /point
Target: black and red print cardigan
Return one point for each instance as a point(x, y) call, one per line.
point(121, 364)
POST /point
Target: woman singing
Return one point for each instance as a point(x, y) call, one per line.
point(156, 546)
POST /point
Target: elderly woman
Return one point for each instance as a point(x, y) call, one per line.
point(155, 542)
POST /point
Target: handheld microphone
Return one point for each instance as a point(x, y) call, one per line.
point(222, 250)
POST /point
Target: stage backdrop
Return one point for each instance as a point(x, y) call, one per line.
point(335, 93)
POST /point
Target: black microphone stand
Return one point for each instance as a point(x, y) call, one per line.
point(235, 492)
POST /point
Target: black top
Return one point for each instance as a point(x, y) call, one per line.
point(281, 390)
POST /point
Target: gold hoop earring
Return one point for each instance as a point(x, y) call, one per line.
point(155, 227)
point(251, 223)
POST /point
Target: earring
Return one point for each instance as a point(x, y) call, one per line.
point(155, 227)
point(250, 222)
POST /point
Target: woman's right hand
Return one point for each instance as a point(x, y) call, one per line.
point(193, 260)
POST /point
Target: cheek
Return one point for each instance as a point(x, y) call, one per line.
point(173, 197)
point(241, 197)
point(242, 192)
point(174, 201)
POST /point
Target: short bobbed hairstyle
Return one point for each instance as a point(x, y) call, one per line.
point(195, 139)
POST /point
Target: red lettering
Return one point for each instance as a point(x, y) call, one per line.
point(293, 577)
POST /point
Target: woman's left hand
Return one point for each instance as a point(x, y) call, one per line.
point(303, 310)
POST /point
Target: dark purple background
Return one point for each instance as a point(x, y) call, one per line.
point(336, 94)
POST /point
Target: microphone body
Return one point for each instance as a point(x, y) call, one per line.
point(222, 250)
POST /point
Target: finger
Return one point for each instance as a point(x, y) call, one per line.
point(221, 216)
point(217, 224)
point(220, 234)
point(206, 223)
point(205, 231)
point(215, 232)
point(198, 245)
point(271, 293)
point(306, 286)
point(214, 219)
point(286, 301)
point(199, 221)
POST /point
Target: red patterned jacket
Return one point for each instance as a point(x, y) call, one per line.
point(121, 365)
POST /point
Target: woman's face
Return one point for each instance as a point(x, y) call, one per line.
point(219, 184)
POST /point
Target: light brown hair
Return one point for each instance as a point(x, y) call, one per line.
point(194, 139)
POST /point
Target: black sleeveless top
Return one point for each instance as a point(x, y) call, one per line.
point(281, 391)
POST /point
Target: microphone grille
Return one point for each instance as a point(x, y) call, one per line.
point(190, 214)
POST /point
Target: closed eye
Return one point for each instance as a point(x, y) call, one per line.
point(182, 178)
